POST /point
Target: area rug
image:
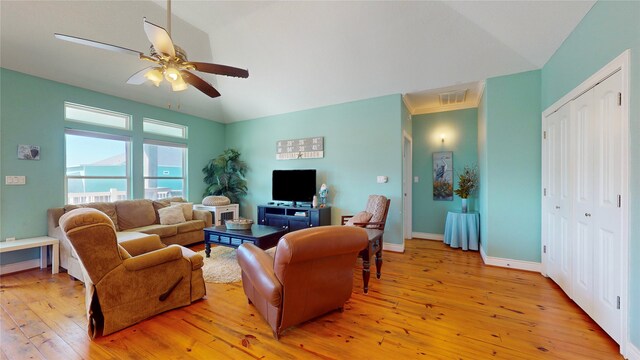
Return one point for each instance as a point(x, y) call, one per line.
point(222, 267)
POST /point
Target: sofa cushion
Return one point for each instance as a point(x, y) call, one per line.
point(160, 230)
point(192, 225)
point(108, 208)
point(159, 204)
point(171, 215)
point(187, 209)
point(135, 213)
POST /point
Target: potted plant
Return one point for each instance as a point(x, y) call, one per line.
point(467, 184)
point(224, 176)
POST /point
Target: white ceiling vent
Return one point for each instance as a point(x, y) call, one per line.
point(454, 97)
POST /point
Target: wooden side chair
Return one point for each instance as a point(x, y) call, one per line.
point(373, 220)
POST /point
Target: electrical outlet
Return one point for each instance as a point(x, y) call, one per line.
point(10, 239)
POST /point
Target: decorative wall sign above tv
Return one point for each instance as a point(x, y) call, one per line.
point(309, 148)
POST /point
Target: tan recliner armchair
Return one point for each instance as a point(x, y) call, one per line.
point(310, 274)
point(131, 281)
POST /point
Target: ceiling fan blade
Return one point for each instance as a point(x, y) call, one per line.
point(199, 84)
point(159, 38)
point(220, 69)
point(139, 78)
point(96, 44)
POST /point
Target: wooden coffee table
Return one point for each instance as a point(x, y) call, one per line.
point(262, 236)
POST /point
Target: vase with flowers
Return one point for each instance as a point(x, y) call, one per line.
point(467, 184)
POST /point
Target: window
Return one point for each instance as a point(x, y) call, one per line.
point(95, 116)
point(97, 166)
point(164, 128)
point(164, 169)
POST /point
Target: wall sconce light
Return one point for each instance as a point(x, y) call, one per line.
point(442, 138)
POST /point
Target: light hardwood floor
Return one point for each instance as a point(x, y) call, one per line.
point(432, 302)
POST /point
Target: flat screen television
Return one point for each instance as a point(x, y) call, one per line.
point(293, 185)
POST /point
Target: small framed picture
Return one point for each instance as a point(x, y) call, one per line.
point(28, 152)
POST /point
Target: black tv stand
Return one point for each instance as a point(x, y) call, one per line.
point(293, 218)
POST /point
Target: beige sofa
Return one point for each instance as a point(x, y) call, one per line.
point(133, 219)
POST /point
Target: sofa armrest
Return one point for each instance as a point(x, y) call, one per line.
point(143, 245)
point(257, 265)
point(153, 258)
point(53, 217)
point(204, 216)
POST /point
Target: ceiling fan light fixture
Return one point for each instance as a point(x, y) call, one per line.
point(179, 84)
point(155, 76)
point(172, 74)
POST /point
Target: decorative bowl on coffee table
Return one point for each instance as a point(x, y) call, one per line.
point(239, 224)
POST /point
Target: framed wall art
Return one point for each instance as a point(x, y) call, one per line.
point(28, 152)
point(443, 175)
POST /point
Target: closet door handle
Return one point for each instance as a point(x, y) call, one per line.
point(557, 207)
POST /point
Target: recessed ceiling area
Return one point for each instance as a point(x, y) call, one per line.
point(300, 55)
point(456, 97)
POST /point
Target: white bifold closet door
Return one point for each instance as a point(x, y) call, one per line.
point(598, 216)
point(558, 198)
point(583, 214)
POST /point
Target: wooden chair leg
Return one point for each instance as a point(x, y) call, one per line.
point(366, 273)
point(378, 263)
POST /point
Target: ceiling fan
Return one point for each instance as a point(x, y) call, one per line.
point(170, 61)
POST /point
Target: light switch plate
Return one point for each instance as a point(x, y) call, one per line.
point(382, 179)
point(15, 180)
point(416, 179)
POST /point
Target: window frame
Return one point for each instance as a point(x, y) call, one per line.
point(184, 176)
point(93, 134)
point(184, 128)
point(127, 118)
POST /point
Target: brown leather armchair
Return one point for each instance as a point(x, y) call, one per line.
point(131, 281)
point(310, 274)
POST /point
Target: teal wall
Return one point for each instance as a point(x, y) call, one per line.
point(460, 128)
point(32, 112)
point(511, 159)
point(362, 140)
point(483, 191)
point(604, 33)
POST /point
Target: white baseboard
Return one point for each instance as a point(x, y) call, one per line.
point(19, 266)
point(633, 353)
point(428, 236)
point(510, 263)
point(393, 247)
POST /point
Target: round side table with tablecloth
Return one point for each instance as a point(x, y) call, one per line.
point(462, 230)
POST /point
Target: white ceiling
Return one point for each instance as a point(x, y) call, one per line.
point(300, 55)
